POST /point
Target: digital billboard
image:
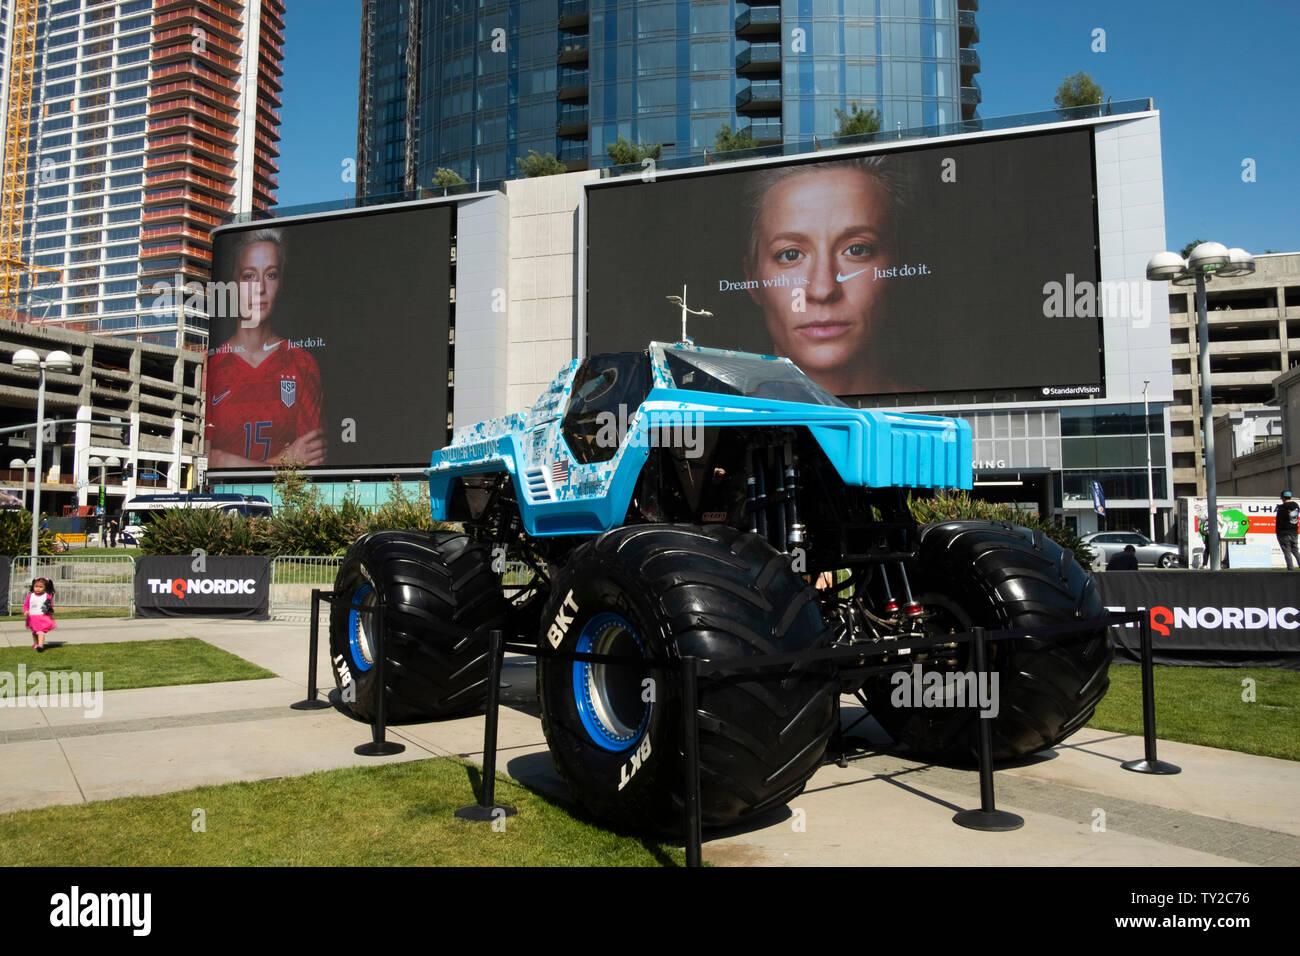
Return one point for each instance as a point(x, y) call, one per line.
point(329, 340)
point(922, 269)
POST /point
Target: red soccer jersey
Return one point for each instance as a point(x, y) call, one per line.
point(256, 412)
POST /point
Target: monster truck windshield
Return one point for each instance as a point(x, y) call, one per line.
point(732, 374)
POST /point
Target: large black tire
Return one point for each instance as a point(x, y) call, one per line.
point(669, 591)
point(998, 575)
point(440, 598)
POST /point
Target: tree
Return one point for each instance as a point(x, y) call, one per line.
point(535, 164)
point(443, 176)
point(1186, 250)
point(624, 153)
point(727, 141)
point(1078, 90)
point(857, 122)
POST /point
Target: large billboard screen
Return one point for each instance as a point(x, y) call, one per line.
point(329, 341)
point(923, 269)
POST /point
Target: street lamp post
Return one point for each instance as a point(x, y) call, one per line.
point(59, 362)
point(1151, 495)
point(24, 465)
point(1206, 261)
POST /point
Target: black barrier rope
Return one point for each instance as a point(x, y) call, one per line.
point(988, 817)
point(487, 808)
point(1149, 763)
point(379, 745)
point(312, 702)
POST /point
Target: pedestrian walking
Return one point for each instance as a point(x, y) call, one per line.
point(1288, 523)
point(112, 532)
point(38, 610)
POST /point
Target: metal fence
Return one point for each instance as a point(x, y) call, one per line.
point(294, 576)
point(92, 580)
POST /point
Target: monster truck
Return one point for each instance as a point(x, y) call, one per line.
point(691, 501)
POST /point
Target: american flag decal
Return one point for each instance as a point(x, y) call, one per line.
point(560, 471)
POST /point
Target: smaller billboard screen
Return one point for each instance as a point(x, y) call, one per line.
point(925, 269)
point(329, 341)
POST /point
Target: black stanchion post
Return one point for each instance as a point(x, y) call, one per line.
point(988, 817)
point(487, 808)
point(312, 702)
point(1149, 763)
point(691, 751)
point(379, 746)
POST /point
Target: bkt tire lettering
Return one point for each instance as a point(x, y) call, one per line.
point(629, 769)
point(345, 675)
point(562, 621)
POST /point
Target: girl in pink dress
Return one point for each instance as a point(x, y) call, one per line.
point(39, 611)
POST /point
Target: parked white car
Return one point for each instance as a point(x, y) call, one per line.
point(1106, 544)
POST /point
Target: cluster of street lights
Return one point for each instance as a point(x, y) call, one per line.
point(1208, 260)
point(56, 361)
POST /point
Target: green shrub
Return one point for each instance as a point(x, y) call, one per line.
point(182, 530)
point(959, 505)
point(300, 525)
point(16, 535)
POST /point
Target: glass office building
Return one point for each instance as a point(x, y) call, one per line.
point(151, 122)
point(474, 85)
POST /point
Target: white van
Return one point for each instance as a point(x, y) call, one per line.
point(139, 511)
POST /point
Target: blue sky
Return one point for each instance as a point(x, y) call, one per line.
point(1224, 77)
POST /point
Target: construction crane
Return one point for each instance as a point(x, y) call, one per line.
point(13, 186)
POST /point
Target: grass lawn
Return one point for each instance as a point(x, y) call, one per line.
point(1203, 705)
point(395, 815)
point(128, 664)
point(78, 613)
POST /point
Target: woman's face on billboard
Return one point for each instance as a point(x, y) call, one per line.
point(257, 271)
point(826, 233)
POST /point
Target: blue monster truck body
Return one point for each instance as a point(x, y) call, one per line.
point(575, 458)
point(683, 501)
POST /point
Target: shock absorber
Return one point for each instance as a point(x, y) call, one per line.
point(796, 531)
point(911, 610)
point(751, 495)
point(779, 502)
point(891, 603)
point(760, 492)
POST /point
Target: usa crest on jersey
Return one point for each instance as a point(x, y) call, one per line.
point(288, 391)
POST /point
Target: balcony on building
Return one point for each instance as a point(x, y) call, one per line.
point(765, 132)
point(574, 154)
point(573, 13)
point(573, 49)
point(759, 58)
point(761, 96)
point(970, 65)
point(759, 22)
point(572, 121)
point(572, 85)
point(968, 31)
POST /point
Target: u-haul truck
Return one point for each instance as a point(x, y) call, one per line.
point(1247, 530)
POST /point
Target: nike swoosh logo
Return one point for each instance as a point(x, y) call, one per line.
point(842, 278)
point(217, 398)
point(267, 348)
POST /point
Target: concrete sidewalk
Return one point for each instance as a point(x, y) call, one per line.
point(1080, 808)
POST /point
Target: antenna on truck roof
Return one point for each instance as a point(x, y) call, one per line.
point(681, 300)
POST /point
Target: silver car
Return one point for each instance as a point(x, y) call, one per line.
point(1107, 544)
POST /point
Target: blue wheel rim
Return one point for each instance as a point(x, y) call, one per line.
point(609, 697)
point(359, 645)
